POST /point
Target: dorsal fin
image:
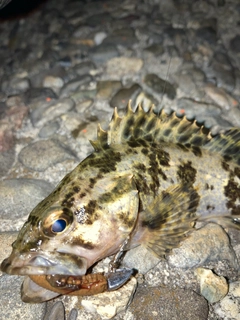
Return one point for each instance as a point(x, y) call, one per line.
point(227, 144)
point(102, 139)
point(154, 128)
point(167, 128)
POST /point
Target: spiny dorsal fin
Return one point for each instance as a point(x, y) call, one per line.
point(102, 139)
point(155, 128)
point(228, 144)
point(167, 128)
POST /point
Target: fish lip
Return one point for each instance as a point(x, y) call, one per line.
point(38, 265)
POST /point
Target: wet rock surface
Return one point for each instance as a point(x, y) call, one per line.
point(32, 192)
point(168, 304)
point(63, 68)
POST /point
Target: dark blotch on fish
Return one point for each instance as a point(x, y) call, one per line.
point(186, 173)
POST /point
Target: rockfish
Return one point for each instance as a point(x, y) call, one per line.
point(149, 179)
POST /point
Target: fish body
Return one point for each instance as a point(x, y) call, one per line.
point(148, 180)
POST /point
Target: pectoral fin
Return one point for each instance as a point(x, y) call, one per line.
point(168, 219)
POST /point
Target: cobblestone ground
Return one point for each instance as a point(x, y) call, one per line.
point(63, 68)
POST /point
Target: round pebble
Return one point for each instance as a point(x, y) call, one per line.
point(52, 110)
point(49, 151)
point(160, 86)
point(121, 98)
point(53, 82)
point(105, 89)
point(32, 191)
point(197, 249)
point(212, 287)
point(168, 304)
point(99, 37)
point(103, 52)
point(121, 66)
point(49, 129)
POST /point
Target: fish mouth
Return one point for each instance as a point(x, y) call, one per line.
point(38, 264)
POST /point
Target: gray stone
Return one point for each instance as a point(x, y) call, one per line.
point(42, 154)
point(73, 314)
point(209, 243)
point(39, 94)
point(196, 109)
point(75, 84)
point(13, 101)
point(140, 259)
point(11, 120)
point(156, 49)
point(99, 37)
point(49, 129)
point(84, 67)
point(73, 122)
point(19, 196)
point(82, 32)
point(11, 305)
point(82, 95)
point(84, 105)
point(229, 307)
point(102, 53)
point(53, 82)
point(121, 66)
point(168, 304)
point(221, 97)
point(20, 84)
point(56, 312)
point(40, 116)
point(223, 71)
point(121, 98)
point(105, 89)
point(212, 287)
point(16, 85)
point(160, 86)
point(56, 72)
point(233, 115)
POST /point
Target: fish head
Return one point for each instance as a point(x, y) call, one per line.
point(38, 247)
point(67, 238)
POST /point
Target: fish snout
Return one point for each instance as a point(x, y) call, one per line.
point(6, 263)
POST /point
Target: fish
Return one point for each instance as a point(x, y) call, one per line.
point(150, 178)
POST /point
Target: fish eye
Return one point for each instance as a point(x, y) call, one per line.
point(59, 225)
point(57, 221)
